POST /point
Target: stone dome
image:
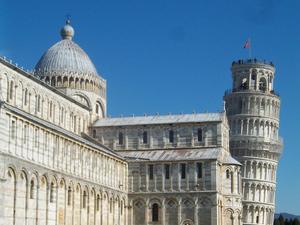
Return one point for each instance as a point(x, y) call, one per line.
point(65, 58)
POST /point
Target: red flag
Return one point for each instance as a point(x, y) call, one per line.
point(247, 44)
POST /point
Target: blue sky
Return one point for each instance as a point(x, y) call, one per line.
point(172, 56)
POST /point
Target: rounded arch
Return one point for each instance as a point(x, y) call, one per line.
point(82, 98)
point(187, 222)
point(99, 108)
point(262, 84)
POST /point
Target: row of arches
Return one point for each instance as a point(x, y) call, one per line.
point(172, 210)
point(258, 82)
point(44, 104)
point(262, 193)
point(254, 127)
point(50, 199)
point(254, 105)
point(92, 84)
point(232, 217)
point(232, 180)
point(253, 214)
point(253, 79)
point(259, 170)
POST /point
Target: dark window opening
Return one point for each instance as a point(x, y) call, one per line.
point(98, 203)
point(262, 84)
point(32, 189)
point(84, 199)
point(171, 136)
point(183, 170)
point(94, 133)
point(155, 212)
point(151, 172)
point(97, 108)
point(13, 129)
point(69, 196)
point(167, 171)
point(121, 138)
point(199, 135)
point(145, 137)
point(227, 174)
point(52, 192)
point(11, 91)
point(199, 170)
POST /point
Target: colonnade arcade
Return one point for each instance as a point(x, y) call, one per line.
point(259, 192)
point(92, 83)
point(257, 214)
point(259, 105)
point(55, 199)
point(254, 127)
point(260, 170)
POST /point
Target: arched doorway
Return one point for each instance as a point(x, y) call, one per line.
point(187, 222)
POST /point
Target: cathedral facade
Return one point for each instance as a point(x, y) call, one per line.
point(64, 162)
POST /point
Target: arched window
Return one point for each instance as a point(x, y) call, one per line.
point(36, 138)
point(13, 129)
point(32, 189)
point(69, 196)
point(50, 109)
point(145, 137)
point(84, 199)
point(199, 135)
point(199, 170)
point(25, 97)
point(171, 136)
point(121, 138)
point(38, 103)
point(183, 170)
point(227, 174)
point(52, 192)
point(155, 212)
point(25, 133)
point(98, 202)
point(11, 90)
point(262, 84)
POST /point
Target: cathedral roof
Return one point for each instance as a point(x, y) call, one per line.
point(65, 58)
point(160, 119)
point(174, 154)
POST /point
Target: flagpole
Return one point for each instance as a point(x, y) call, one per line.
point(250, 48)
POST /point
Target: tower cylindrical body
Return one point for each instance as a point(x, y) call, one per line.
point(252, 108)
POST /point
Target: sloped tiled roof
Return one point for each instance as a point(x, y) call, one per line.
point(159, 119)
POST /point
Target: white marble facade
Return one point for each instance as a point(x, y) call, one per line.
point(64, 162)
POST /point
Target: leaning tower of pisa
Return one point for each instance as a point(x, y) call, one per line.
point(253, 108)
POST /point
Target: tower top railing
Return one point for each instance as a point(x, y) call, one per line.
point(252, 61)
point(230, 91)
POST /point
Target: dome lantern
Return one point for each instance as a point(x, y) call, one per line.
point(67, 32)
